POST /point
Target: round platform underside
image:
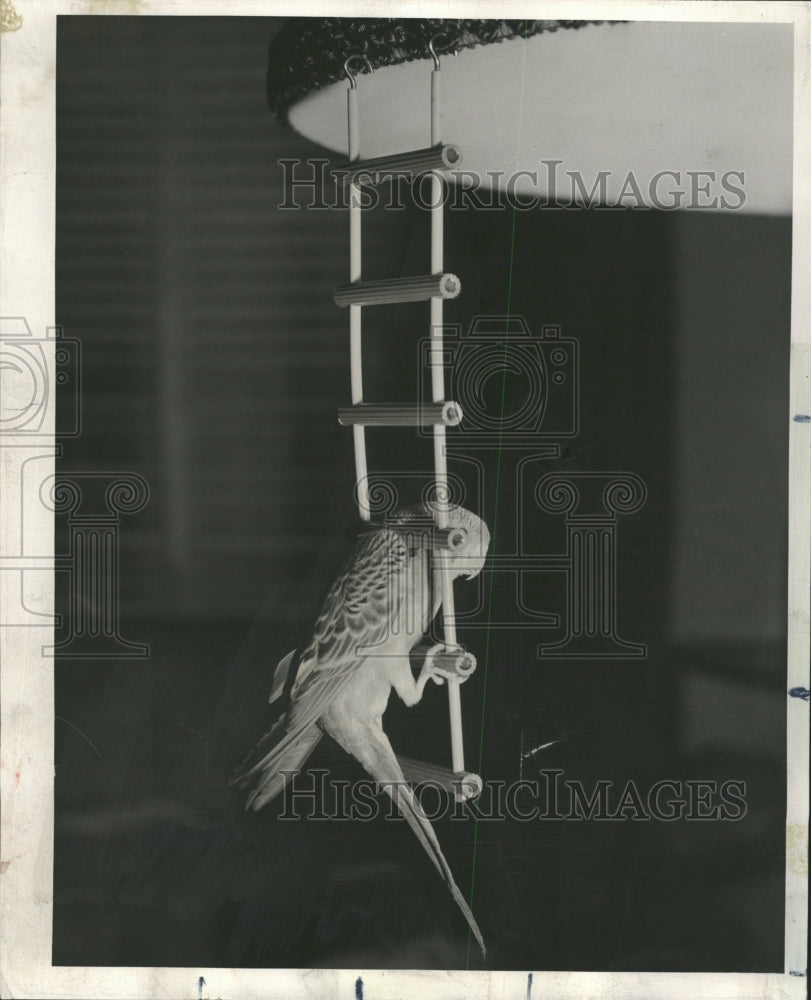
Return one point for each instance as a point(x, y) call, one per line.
point(651, 99)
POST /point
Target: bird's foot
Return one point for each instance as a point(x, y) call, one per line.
point(443, 663)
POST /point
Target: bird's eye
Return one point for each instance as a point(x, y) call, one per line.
point(457, 538)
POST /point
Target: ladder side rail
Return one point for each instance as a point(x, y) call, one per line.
point(355, 327)
point(440, 446)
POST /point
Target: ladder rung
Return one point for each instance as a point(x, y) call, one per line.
point(411, 164)
point(375, 293)
point(455, 660)
point(452, 539)
point(429, 536)
point(464, 784)
point(401, 414)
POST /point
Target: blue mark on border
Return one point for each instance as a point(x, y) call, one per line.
point(802, 418)
point(800, 692)
point(358, 989)
point(201, 982)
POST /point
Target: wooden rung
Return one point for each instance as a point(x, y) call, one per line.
point(448, 414)
point(377, 293)
point(410, 164)
point(463, 784)
point(457, 661)
point(427, 535)
point(452, 539)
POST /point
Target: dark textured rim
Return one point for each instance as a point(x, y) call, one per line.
point(309, 53)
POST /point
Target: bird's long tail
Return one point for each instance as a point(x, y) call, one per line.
point(275, 753)
point(379, 760)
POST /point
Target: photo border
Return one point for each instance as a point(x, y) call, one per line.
point(27, 212)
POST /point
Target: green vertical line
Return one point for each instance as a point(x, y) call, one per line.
point(497, 497)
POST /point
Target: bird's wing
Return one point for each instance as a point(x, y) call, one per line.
point(361, 609)
point(280, 675)
point(370, 745)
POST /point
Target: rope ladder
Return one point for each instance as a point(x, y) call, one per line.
point(439, 414)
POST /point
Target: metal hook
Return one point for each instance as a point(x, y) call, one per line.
point(348, 73)
point(432, 50)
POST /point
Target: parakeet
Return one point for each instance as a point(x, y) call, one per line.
point(376, 610)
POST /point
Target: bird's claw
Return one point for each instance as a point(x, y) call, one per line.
point(455, 664)
point(430, 671)
point(438, 676)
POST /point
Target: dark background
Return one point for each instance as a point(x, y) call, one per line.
point(213, 365)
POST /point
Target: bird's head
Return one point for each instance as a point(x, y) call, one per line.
point(468, 536)
point(470, 539)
